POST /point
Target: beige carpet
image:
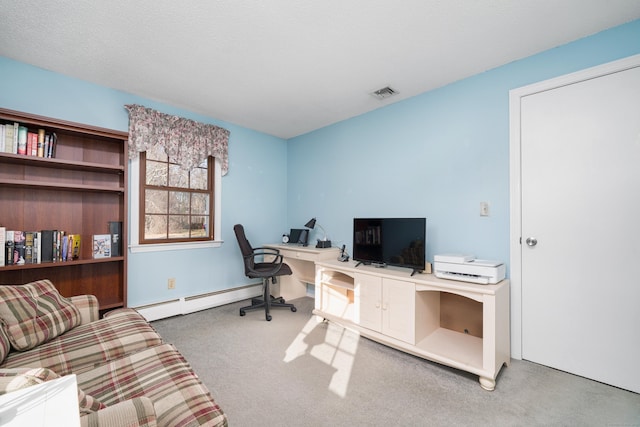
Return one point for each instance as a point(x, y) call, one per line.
point(295, 371)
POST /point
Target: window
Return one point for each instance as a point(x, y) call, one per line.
point(175, 205)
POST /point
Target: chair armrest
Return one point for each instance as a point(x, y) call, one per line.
point(88, 306)
point(276, 263)
point(138, 411)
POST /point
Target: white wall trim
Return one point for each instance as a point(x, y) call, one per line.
point(515, 226)
point(195, 303)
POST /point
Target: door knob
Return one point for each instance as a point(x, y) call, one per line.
point(532, 241)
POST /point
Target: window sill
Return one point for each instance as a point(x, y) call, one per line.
point(159, 247)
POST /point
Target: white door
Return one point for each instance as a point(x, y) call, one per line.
point(580, 228)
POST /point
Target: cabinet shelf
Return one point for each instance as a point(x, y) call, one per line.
point(455, 348)
point(339, 281)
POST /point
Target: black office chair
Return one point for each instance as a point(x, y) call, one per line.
point(267, 271)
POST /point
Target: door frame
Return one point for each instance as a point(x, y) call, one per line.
point(515, 184)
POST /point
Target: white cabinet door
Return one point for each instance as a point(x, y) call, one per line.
point(398, 309)
point(368, 301)
point(386, 306)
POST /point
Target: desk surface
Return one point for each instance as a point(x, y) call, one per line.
point(299, 248)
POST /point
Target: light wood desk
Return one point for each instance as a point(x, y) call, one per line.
point(302, 261)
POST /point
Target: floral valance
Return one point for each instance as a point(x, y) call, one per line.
point(185, 141)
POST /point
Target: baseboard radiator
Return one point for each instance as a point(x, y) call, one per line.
point(186, 305)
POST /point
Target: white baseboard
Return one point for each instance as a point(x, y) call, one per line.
point(195, 303)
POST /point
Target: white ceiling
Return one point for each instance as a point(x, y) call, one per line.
point(287, 67)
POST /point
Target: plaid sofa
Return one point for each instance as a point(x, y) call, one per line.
point(126, 374)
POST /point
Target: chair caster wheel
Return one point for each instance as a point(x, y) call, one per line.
point(268, 318)
point(294, 309)
point(242, 312)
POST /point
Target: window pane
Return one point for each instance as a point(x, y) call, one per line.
point(179, 202)
point(156, 173)
point(178, 177)
point(178, 226)
point(155, 201)
point(199, 226)
point(199, 179)
point(155, 227)
point(199, 204)
point(156, 153)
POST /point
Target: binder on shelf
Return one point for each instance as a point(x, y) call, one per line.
point(46, 246)
point(115, 229)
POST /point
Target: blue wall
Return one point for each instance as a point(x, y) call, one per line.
point(252, 191)
point(436, 155)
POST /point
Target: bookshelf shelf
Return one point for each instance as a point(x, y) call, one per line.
point(80, 189)
point(59, 186)
point(61, 264)
point(60, 164)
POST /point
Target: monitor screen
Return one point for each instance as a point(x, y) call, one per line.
point(299, 236)
point(390, 241)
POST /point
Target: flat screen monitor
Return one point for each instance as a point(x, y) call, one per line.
point(390, 241)
point(299, 236)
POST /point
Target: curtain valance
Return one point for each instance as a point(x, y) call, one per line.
point(185, 141)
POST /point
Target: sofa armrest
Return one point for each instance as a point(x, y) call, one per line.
point(138, 411)
point(88, 306)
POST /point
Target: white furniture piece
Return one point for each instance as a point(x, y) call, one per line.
point(458, 324)
point(302, 261)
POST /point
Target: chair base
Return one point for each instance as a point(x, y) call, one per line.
point(271, 301)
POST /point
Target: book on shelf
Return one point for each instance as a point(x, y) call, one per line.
point(37, 248)
point(34, 144)
point(18, 247)
point(22, 140)
point(51, 150)
point(115, 229)
point(75, 246)
point(40, 144)
point(8, 248)
point(28, 247)
point(8, 138)
point(64, 247)
point(102, 245)
point(2, 150)
point(14, 146)
point(3, 240)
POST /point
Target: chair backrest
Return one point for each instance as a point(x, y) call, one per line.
point(245, 247)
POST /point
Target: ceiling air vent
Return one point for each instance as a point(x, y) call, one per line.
point(383, 93)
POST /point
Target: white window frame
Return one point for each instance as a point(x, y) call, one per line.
point(134, 215)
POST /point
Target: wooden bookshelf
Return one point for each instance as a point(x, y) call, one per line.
point(79, 191)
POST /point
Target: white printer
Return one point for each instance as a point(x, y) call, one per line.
point(468, 269)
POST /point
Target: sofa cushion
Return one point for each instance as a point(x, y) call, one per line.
point(165, 377)
point(35, 313)
point(16, 379)
point(137, 412)
point(5, 345)
point(89, 345)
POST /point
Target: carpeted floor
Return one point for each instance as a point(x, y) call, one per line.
point(296, 371)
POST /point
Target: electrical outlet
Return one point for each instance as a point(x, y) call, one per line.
point(171, 283)
point(484, 209)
